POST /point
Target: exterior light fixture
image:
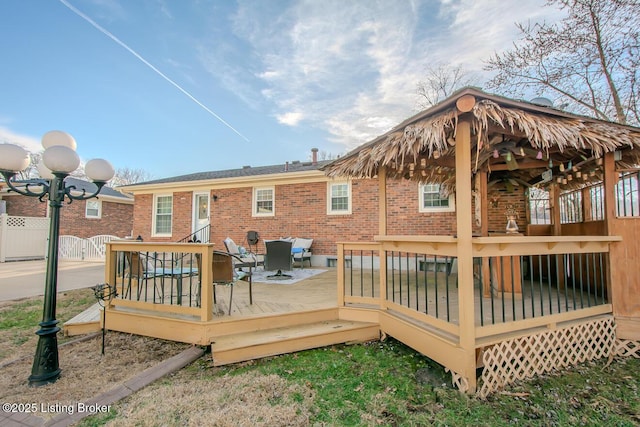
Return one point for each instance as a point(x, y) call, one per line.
point(58, 161)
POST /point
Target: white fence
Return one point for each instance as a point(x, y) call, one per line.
point(76, 248)
point(23, 237)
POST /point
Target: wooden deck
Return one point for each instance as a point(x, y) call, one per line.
point(317, 292)
point(283, 318)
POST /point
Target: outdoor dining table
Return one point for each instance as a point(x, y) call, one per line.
point(177, 273)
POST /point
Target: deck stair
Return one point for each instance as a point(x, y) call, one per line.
point(84, 323)
point(288, 339)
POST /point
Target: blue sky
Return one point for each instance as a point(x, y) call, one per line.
point(181, 86)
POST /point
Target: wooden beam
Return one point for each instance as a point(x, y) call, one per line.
point(484, 203)
point(529, 164)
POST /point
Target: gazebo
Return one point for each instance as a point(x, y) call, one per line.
point(560, 288)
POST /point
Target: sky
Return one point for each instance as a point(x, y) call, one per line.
point(174, 87)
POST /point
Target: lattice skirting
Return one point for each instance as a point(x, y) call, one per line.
point(526, 357)
point(627, 348)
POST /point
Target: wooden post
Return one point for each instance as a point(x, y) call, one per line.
point(623, 275)
point(382, 228)
point(340, 274)
point(554, 196)
point(382, 201)
point(610, 179)
point(556, 229)
point(206, 284)
point(483, 177)
point(110, 267)
point(464, 225)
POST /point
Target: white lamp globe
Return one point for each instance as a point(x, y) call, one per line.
point(60, 158)
point(43, 171)
point(99, 170)
point(57, 137)
point(13, 158)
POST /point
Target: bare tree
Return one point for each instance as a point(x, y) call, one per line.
point(440, 82)
point(126, 176)
point(326, 155)
point(589, 60)
point(32, 170)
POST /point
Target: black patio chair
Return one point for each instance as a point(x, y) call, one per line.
point(278, 258)
point(252, 241)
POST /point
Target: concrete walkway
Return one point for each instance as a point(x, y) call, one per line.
point(21, 279)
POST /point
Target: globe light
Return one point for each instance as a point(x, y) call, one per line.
point(43, 171)
point(57, 137)
point(13, 158)
point(99, 170)
point(60, 158)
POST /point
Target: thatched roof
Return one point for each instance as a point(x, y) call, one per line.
point(514, 140)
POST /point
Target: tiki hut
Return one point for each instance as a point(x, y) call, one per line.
point(527, 297)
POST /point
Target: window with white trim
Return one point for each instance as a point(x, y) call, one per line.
point(93, 209)
point(163, 215)
point(431, 199)
point(264, 201)
point(339, 198)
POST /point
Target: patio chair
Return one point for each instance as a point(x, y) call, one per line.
point(242, 259)
point(141, 267)
point(223, 272)
point(278, 258)
point(301, 250)
point(252, 241)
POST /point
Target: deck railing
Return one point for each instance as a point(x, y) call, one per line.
point(519, 282)
point(162, 277)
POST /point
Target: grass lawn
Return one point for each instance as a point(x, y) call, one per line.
point(368, 384)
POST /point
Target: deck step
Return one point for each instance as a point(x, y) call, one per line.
point(84, 323)
point(271, 342)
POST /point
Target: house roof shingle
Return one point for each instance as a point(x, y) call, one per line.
point(247, 171)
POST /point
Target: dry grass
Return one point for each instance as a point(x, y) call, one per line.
point(249, 399)
point(186, 398)
point(85, 372)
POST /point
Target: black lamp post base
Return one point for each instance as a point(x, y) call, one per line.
point(45, 368)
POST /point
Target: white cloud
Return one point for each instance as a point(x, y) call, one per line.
point(353, 67)
point(290, 119)
point(28, 142)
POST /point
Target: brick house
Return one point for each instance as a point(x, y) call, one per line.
point(111, 213)
point(291, 199)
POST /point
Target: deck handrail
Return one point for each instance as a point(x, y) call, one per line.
point(168, 262)
point(436, 250)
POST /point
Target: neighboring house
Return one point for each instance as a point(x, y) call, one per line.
point(110, 213)
point(290, 199)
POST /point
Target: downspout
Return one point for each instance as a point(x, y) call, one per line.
point(382, 201)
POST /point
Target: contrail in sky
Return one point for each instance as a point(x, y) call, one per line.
point(160, 73)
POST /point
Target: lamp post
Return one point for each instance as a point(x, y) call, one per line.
point(58, 161)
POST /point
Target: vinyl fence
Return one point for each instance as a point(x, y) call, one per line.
point(79, 249)
point(23, 237)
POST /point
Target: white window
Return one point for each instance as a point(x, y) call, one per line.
point(264, 201)
point(432, 201)
point(162, 215)
point(339, 198)
point(93, 209)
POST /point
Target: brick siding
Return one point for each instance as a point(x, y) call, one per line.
point(301, 211)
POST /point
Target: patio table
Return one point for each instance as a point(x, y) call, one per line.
point(176, 273)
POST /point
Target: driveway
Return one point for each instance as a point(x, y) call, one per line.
point(20, 279)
